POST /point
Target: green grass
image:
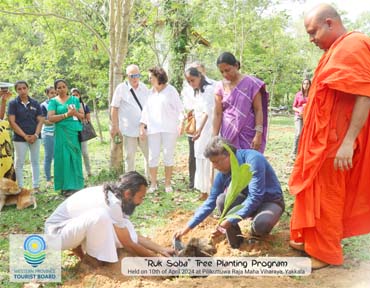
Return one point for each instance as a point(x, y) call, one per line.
point(153, 213)
point(357, 248)
point(147, 217)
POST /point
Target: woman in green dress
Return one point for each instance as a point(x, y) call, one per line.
point(66, 112)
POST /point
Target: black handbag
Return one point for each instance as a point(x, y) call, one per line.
point(87, 133)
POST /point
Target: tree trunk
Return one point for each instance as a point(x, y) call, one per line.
point(119, 20)
point(98, 124)
point(179, 25)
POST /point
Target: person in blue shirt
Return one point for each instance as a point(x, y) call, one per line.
point(47, 135)
point(262, 199)
point(25, 118)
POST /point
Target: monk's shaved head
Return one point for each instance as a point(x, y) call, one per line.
point(322, 12)
point(324, 25)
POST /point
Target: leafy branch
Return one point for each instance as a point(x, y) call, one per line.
point(68, 19)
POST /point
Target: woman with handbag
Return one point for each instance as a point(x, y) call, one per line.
point(85, 153)
point(203, 110)
point(66, 112)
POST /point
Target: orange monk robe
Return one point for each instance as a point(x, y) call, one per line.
point(331, 205)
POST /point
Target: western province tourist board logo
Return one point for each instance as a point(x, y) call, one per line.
point(35, 257)
point(34, 250)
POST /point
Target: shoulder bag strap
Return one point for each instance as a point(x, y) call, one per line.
point(137, 100)
point(83, 105)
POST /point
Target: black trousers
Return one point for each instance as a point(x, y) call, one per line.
point(191, 163)
point(265, 218)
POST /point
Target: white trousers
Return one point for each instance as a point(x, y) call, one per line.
point(130, 145)
point(94, 231)
point(168, 142)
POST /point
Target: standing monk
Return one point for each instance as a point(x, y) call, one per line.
point(331, 172)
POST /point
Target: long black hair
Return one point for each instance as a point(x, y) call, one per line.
point(79, 98)
point(192, 71)
point(302, 90)
point(131, 181)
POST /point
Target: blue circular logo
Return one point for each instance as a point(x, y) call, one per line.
point(34, 250)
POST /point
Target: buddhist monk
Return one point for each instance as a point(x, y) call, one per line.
point(331, 172)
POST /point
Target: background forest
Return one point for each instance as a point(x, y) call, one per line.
point(89, 42)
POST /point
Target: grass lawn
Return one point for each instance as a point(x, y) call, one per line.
point(152, 214)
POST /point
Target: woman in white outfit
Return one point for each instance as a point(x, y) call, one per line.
point(160, 121)
point(203, 111)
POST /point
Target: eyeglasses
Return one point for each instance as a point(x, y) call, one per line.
point(133, 76)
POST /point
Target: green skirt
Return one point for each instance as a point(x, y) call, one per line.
point(68, 173)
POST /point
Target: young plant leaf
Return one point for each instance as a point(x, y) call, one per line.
point(235, 209)
point(241, 175)
point(233, 216)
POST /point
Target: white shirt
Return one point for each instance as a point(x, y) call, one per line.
point(83, 201)
point(129, 113)
point(163, 111)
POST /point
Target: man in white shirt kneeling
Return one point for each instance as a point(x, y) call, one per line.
point(95, 221)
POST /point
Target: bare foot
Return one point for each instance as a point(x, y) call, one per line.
point(318, 264)
point(78, 252)
point(86, 258)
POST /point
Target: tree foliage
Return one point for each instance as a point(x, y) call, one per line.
point(178, 18)
point(48, 39)
point(42, 45)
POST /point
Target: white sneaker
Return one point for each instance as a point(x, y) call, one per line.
point(152, 189)
point(168, 189)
